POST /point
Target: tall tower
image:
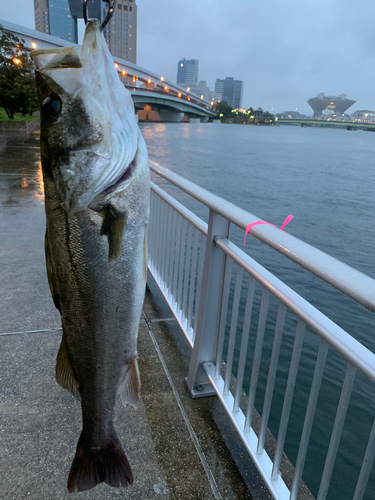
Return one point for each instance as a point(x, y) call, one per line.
point(54, 18)
point(187, 72)
point(121, 31)
point(230, 91)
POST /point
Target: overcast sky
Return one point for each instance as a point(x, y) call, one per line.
point(285, 51)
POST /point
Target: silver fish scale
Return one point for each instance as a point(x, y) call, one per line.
point(100, 301)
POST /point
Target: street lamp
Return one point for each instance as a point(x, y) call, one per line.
point(17, 61)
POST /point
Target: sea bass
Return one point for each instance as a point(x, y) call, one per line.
point(97, 185)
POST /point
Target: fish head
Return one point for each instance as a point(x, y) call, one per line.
point(89, 134)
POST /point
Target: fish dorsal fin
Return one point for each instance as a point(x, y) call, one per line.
point(64, 372)
point(130, 389)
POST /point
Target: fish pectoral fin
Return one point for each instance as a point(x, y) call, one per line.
point(130, 389)
point(113, 227)
point(65, 375)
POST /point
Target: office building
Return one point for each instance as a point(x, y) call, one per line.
point(59, 18)
point(54, 18)
point(337, 104)
point(121, 32)
point(230, 91)
point(187, 72)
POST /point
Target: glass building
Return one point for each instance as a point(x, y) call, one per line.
point(54, 18)
point(230, 91)
point(187, 72)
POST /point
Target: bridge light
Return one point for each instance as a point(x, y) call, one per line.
point(17, 61)
point(166, 88)
point(188, 89)
point(149, 80)
point(202, 96)
point(162, 79)
point(124, 72)
point(179, 94)
point(116, 65)
point(188, 98)
point(33, 45)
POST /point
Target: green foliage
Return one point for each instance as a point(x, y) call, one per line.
point(17, 86)
point(230, 115)
point(16, 117)
point(223, 109)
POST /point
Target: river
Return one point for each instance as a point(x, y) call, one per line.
point(326, 179)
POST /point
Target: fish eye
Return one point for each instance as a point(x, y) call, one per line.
point(51, 106)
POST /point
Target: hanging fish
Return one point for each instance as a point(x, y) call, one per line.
point(97, 185)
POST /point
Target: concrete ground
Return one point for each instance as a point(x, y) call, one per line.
point(179, 448)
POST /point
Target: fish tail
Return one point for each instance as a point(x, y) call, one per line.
point(92, 466)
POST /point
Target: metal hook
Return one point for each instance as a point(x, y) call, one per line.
point(111, 4)
point(85, 10)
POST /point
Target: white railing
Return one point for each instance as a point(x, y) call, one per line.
point(211, 286)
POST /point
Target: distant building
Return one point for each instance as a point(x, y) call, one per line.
point(187, 72)
point(54, 18)
point(364, 115)
point(291, 114)
point(203, 90)
point(59, 18)
point(230, 90)
point(121, 32)
point(337, 104)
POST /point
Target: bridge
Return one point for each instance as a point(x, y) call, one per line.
point(155, 98)
point(327, 124)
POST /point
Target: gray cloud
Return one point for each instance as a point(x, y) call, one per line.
point(285, 51)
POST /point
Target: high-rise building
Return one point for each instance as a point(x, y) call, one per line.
point(187, 72)
point(121, 31)
point(59, 18)
point(94, 9)
point(230, 90)
point(54, 18)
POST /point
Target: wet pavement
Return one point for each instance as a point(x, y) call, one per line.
point(179, 448)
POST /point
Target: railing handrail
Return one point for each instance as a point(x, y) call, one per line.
point(351, 282)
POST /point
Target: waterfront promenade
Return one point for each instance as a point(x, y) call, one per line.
point(179, 448)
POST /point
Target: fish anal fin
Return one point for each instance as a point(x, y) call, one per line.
point(64, 372)
point(51, 274)
point(130, 389)
point(95, 465)
point(113, 227)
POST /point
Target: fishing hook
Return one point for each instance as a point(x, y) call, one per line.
point(85, 10)
point(111, 4)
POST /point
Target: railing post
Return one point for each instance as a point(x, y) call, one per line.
point(209, 309)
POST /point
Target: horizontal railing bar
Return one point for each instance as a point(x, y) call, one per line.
point(185, 212)
point(354, 352)
point(348, 280)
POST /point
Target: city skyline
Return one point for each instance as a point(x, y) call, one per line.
point(285, 54)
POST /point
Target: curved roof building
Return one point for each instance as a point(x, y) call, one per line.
point(338, 104)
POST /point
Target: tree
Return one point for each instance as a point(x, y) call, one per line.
point(17, 86)
point(223, 109)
